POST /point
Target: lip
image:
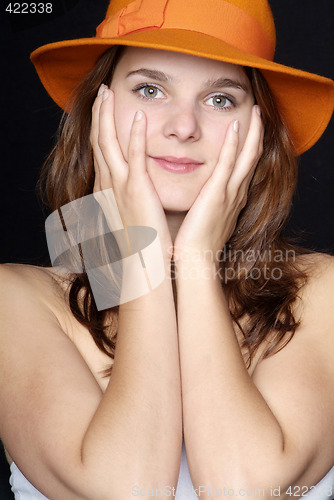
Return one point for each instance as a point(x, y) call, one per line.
point(176, 165)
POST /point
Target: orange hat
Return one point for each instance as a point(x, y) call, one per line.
point(235, 31)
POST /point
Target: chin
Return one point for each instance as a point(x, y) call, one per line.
point(177, 192)
point(177, 201)
point(177, 209)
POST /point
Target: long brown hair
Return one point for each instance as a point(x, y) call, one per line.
point(249, 259)
point(259, 266)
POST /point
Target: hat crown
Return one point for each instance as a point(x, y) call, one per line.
point(259, 9)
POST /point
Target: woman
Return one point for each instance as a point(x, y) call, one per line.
point(202, 150)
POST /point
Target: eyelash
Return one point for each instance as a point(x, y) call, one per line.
point(215, 108)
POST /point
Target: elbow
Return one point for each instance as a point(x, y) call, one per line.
point(266, 481)
point(129, 483)
point(226, 485)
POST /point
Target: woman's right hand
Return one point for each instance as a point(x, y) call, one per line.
point(137, 200)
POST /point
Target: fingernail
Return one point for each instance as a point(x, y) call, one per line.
point(105, 94)
point(258, 110)
point(236, 126)
point(101, 89)
point(138, 115)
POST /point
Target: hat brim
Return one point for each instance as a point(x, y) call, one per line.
point(305, 100)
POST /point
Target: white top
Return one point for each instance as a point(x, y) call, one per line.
point(324, 490)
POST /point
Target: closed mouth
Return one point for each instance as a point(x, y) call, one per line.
point(177, 165)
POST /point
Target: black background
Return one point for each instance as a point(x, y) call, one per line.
point(305, 31)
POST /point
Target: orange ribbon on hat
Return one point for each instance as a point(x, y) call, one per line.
point(212, 17)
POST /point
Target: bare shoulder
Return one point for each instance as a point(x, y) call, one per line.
point(34, 310)
point(33, 276)
point(316, 298)
point(317, 265)
point(23, 285)
point(30, 296)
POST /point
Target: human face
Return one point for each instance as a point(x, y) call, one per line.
point(189, 103)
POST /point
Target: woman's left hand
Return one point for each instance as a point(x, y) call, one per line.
point(212, 218)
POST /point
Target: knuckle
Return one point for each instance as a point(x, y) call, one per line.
point(134, 149)
point(230, 195)
point(119, 194)
point(228, 160)
point(96, 106)
point(133, 189)
point(92, 138)
point(102, 140)
point(235, 199)
point(243, 202)
point(253, 157)
point(224, 199)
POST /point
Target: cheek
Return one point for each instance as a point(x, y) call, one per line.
point(216, 138)
point(218, 132)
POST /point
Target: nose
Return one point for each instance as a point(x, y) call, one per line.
point(182, 122)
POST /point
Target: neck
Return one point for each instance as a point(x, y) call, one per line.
point(174, 221)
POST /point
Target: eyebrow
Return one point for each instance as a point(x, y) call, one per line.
point(151, 73)
point(226, 82)
point(209, 84)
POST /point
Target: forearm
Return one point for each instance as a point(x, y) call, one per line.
point(137, 428)
point(232, 436)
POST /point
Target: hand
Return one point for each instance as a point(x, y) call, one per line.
point(211, 220)
point(136, 198)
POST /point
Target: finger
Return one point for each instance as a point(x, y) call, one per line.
point(101, 169)
point(250, 153)
point(249, 177)
point(108, 143)
point(259, 143)
point(228, 155)
point(93, 139)
point(94, 131)
point(137, 147)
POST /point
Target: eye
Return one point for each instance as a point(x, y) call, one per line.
point(148, 91)
point(220, 102)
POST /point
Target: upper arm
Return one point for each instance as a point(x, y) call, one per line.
point(48, 395)
point(298, 381)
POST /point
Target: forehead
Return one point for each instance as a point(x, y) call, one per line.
point(179, 66)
